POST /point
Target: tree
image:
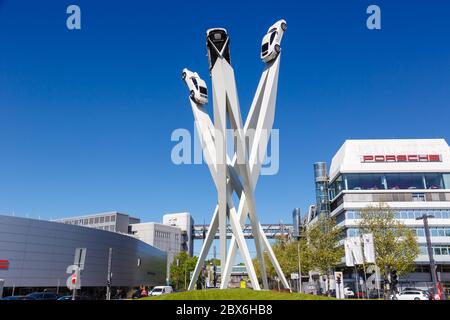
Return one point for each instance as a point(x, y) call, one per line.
point(323, 245)
point(287, 255)
point(395, 244)
point(180, 269)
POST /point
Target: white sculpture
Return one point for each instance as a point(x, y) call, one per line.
point(239, 174)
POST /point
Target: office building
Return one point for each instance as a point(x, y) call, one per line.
point(185, 222)
point(38, 253)
point(109, 221)
point(412, 176)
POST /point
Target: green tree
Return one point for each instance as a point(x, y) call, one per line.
point(287, 253)
point(323, 245)
point(180, 269)
point(395, 244)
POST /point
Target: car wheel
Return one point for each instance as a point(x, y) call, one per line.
point(416, 298)
point(192, 94)
point(283, 26)
point(277, 48)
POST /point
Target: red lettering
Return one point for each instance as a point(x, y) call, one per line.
point(402, 158)
point(390, 158)
point(434, 158)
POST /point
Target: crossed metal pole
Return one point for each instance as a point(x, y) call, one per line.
point(239, 174)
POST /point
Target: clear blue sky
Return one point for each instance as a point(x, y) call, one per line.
point(86, 116)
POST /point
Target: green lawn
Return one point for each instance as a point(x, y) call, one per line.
point(236, 294)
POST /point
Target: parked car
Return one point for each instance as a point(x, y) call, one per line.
point(17, 298)
point(159, 290)
point(136, 294)
point(77, 297)
point(197, 86)
point(412, 295)
point(427, 292)
point(43, 296)
point(348, 293)
point(270, 47)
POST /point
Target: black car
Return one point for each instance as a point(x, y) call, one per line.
point(77, 297)
point(217, 43)
point(136, 294)
point(18, 298)
point(43, 296)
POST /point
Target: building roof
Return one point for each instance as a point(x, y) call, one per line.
point(350, 157)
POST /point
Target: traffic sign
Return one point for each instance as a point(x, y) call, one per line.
point(339, 279)
point(74, 278)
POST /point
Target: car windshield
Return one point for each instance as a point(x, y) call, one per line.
point(265, 47)
point(195, 83)
point(203, 90)
point(272, 36)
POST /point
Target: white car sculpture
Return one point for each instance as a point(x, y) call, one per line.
point(270, 47)
point(217, 43)
point(197, 86)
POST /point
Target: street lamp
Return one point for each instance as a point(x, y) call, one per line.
point(425, 217)
point(299, 266)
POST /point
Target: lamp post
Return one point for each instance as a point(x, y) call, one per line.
point(299, 266)
point(425, 217)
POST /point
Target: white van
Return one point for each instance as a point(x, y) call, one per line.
point(159, 290)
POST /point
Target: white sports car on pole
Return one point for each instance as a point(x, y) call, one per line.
point(197, 86)
point(270, 47)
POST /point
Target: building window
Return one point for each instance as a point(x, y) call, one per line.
point(102, 219)
point(113, 218)
point(433, 181)
point(352, 232)
point(107, 218)
point(405, 181)
point(446, 178)
point(91, 220)
point(365, 181)
point(420, 232)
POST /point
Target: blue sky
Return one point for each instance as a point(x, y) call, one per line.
point(86, 116)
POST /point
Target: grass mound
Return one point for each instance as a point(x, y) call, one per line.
point(236, 294)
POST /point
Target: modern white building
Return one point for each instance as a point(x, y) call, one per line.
point(185, 222)
point(161, 236)
point(412, 176)
point(108, 221)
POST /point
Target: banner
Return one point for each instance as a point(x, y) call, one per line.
point(357, 250)
point(348, 253)
point(369, 248)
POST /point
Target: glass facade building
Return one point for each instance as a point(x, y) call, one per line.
point(412, 177)
point(321, 180)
